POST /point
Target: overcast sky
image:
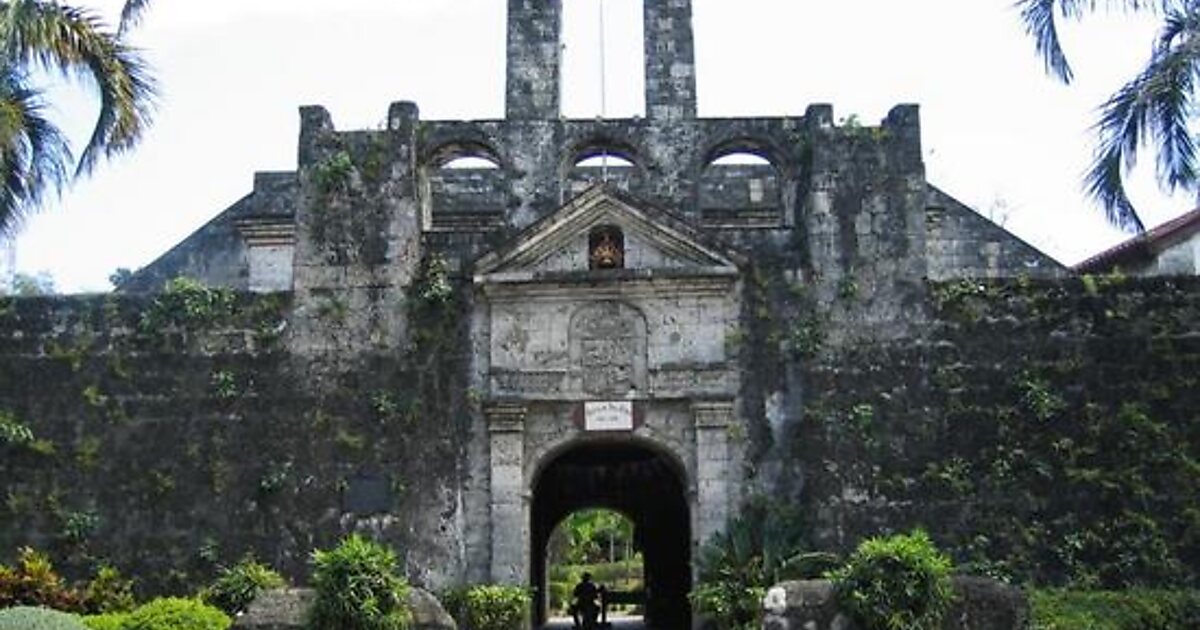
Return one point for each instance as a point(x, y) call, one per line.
point(997, 133)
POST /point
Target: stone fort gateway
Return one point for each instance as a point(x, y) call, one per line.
point(454, 358)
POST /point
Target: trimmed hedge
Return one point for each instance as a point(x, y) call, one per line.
point(1137, 609)
point(32, 618)
point(107, 621)
point(175, 613)
point(488, 606)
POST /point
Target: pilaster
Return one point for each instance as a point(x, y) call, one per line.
point(509, 512)
point(713, 475)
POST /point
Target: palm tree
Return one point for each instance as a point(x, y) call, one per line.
point(1155, 107)
point(46, 36)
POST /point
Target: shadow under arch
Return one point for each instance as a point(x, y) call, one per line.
point(463, 198)
point(743, 192)
point(628, 172)
point(635, 477)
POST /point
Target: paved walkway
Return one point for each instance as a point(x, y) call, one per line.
point(618, 623)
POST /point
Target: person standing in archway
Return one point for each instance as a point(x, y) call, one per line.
point(584, 608)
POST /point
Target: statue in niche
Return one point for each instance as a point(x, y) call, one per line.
point(606, 248)
point(608, 349)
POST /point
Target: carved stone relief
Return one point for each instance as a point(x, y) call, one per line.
point(608, 349)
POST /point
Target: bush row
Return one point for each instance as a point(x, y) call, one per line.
point(33, 582)
point(167, 613)
point(1135, 609)
point(488, 607)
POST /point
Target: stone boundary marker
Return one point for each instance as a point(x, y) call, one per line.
point(982, 604)
point(286, 609)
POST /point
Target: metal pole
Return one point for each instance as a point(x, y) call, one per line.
point(603, 89)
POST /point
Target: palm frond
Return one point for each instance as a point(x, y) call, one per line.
point(1039, 18)
point(1171, 84)
point(1154, 108)
point(1041, 21)
point(34, 156)
point(76, 42)
point(131, 14)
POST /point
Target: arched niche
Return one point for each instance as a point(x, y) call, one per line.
point(465, 187)
point(614, 163)
point(741, 185)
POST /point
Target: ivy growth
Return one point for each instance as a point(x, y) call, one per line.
point(188, 304)
point(333, 174)
point(13, 431)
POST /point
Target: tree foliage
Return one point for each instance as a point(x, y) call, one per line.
point(41, 36)
point(1155, 107)
point(593, 536)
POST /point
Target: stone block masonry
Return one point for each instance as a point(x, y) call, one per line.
point(393, 346)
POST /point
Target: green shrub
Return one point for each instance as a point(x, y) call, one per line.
point(737, 566)
point(237, 586)
point(187, 303)
point(357, 587)
point(175, 613)
point(560, 595)
point(34, 582)
point(109, 591)
point(454, 600)
point(901, 582)
point(488, 607)
point(31, 618)
point(106, 621)
point(1115, 610)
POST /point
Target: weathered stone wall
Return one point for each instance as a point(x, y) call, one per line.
point(534, 59)
point(1039, 429)
point(963, 244)
point(174, 435)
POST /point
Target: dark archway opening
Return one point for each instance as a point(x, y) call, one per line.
point(639, 482)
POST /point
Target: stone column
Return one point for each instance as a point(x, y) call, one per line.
point(510, 521)
point(713, 476)
point(534, 59)
point(670, 60)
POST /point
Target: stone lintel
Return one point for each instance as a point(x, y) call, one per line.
point(712, 414)
point(267, 231)
point(598, 288)
point(505, 417)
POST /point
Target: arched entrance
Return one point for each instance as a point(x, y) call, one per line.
point(636, 480)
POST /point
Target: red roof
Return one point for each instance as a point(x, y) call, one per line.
point(1144, 246)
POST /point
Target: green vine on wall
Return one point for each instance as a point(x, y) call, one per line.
point(349, 216)
point(188, 304)
point(334, 174)
point(13, 431)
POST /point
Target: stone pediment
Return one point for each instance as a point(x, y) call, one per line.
point(560, 246)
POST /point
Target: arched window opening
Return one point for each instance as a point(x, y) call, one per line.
point(470, 162)
point(741, 188)
point(604, 160)
point(604, 164)
point(467, 190)
point(606, 248)
point(601, 543)
point(741, 158)
point(619, 55)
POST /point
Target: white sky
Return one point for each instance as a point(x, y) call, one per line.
point(998, 134)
